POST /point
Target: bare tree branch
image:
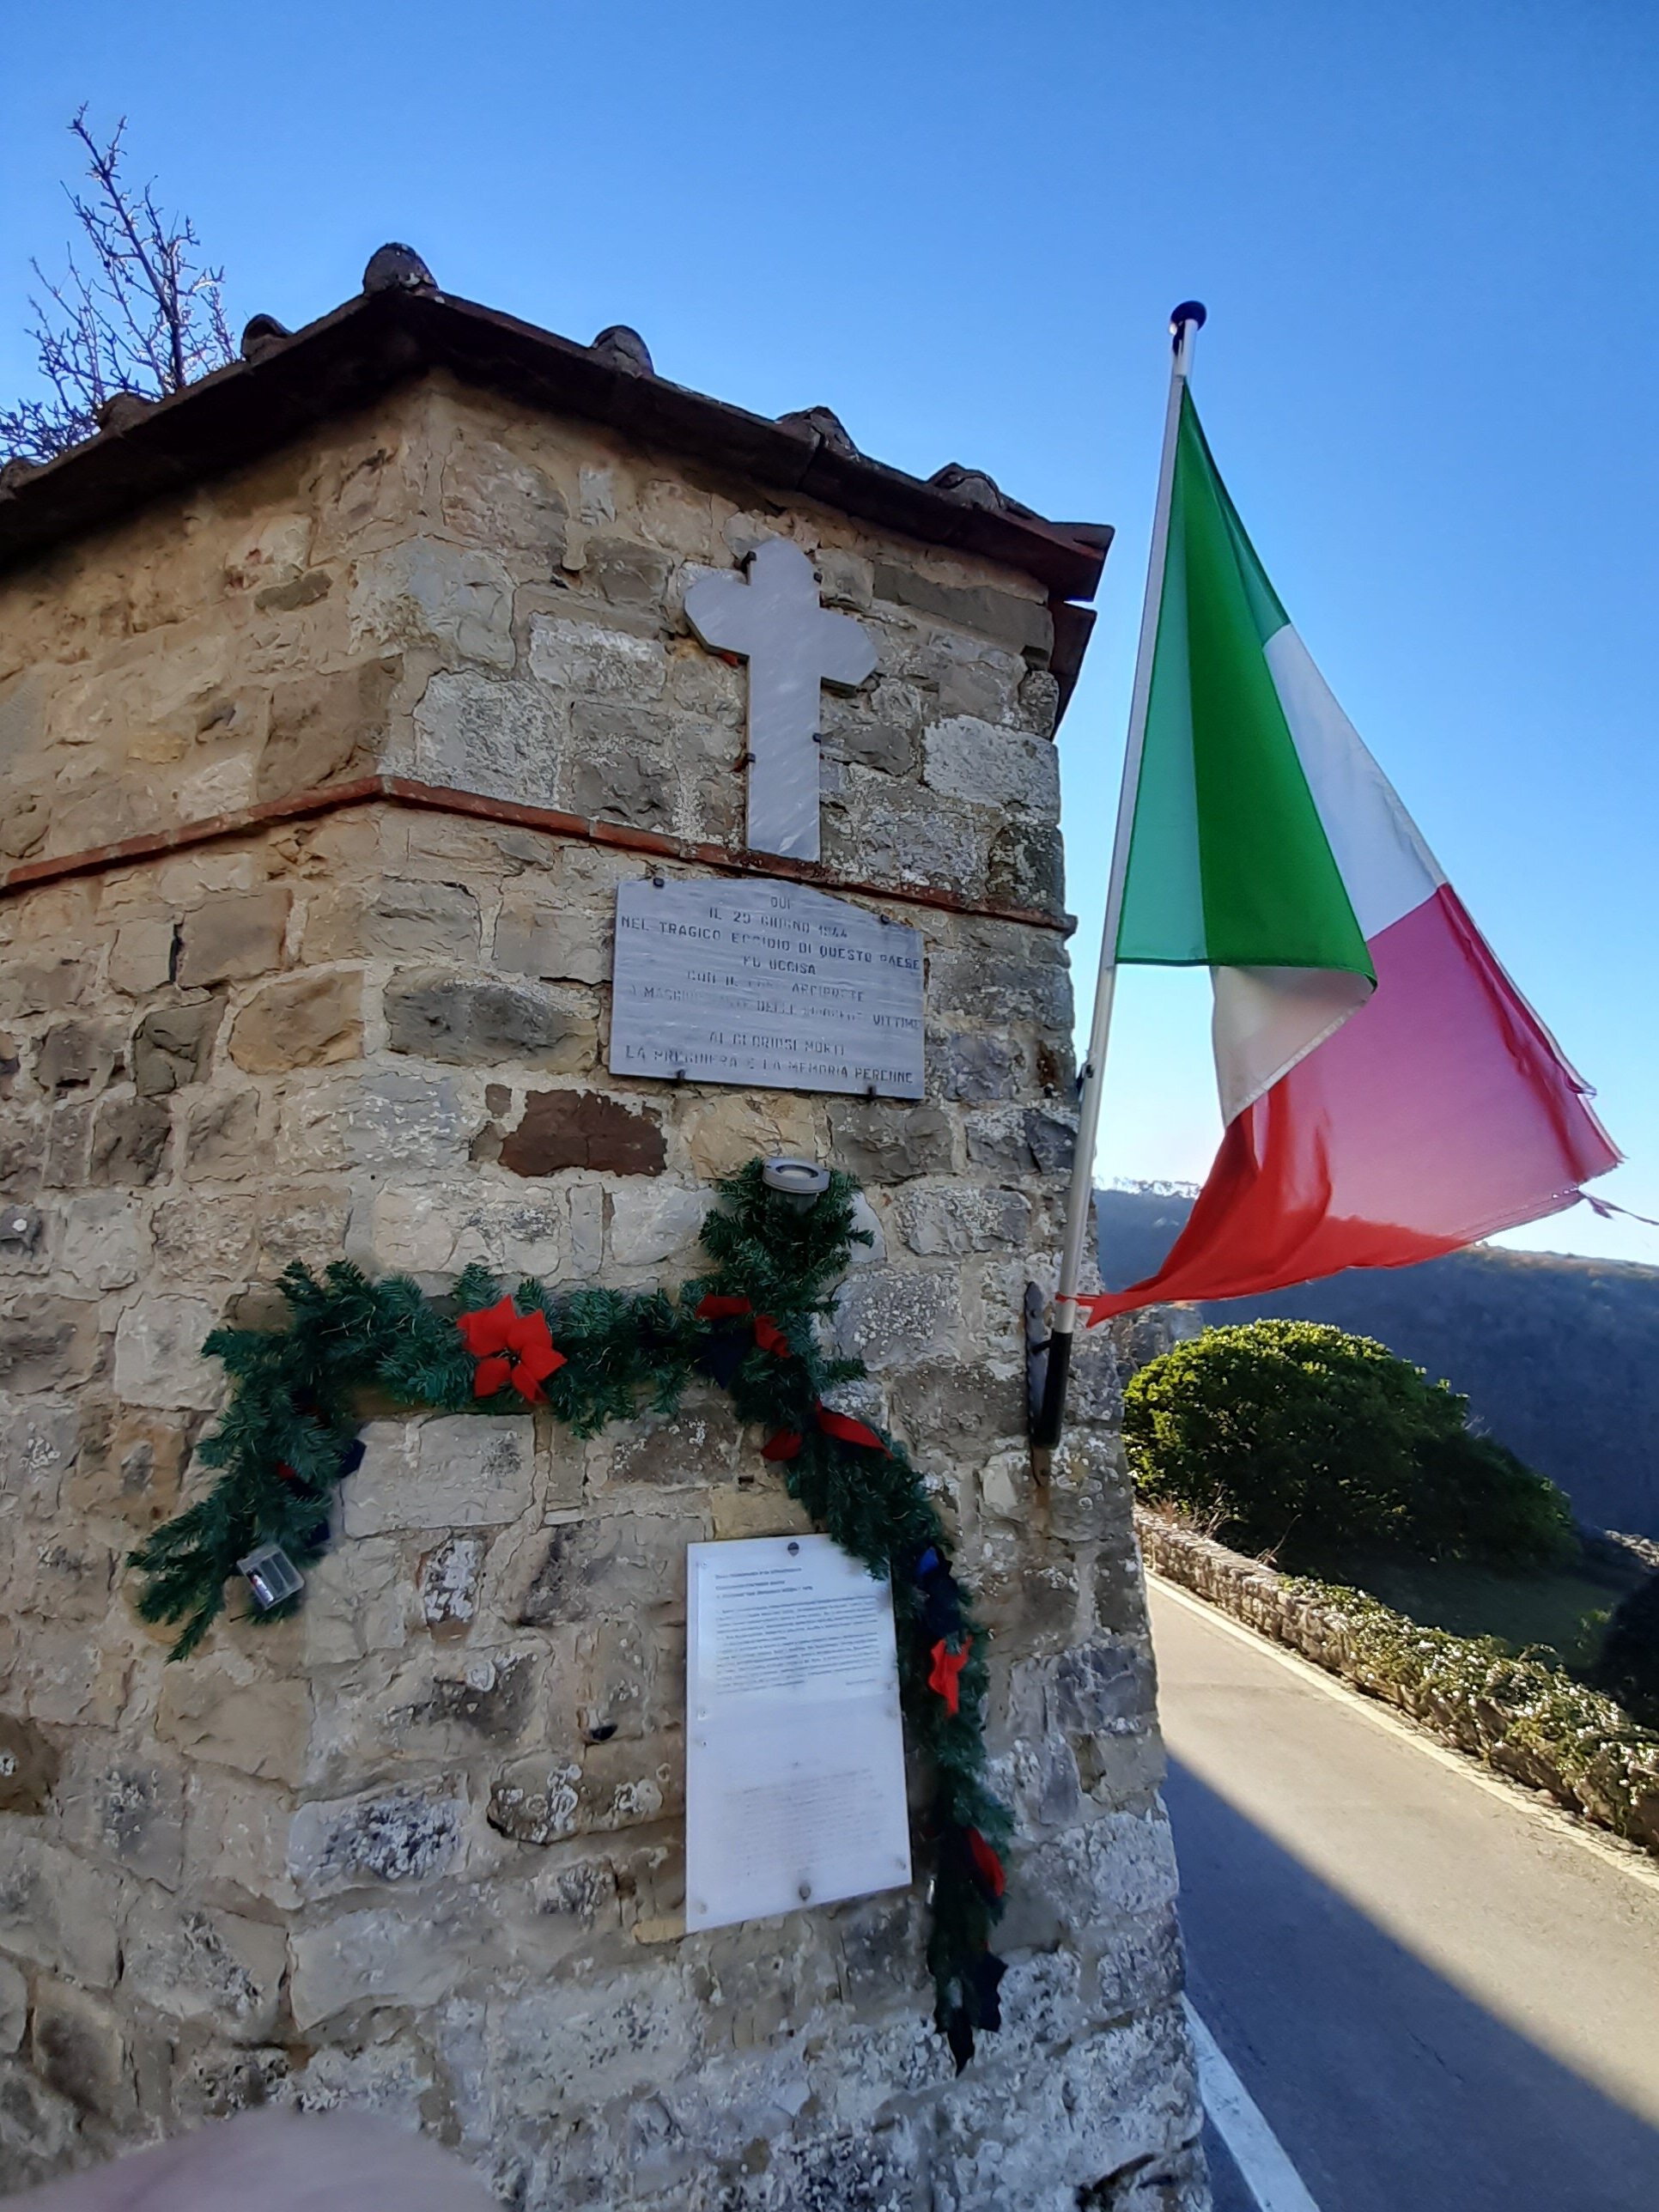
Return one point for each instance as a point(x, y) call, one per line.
point(140, 314)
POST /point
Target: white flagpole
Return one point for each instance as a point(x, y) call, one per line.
point(1185, 323)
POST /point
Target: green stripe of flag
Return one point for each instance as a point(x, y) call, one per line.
point(1229, 864)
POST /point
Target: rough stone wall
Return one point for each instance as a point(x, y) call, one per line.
point(206, 654)
point(453, 589)
point(1510, 1712)
point(420, 1847)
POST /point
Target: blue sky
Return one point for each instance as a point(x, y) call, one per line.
point(1425, 233)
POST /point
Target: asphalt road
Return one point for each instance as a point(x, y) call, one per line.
point(1440, 1999)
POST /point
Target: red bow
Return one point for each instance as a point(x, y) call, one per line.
point(509, 1347)
point(946, 1668)
point(986, 1865)
point(788, 1442)
point(849, 1431)
point(767, 1335)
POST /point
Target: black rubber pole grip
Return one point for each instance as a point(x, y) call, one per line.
point(1051, 1416)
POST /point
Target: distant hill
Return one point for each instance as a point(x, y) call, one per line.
point(1559, 1357)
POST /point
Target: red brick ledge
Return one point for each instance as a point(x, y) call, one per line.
point(440, 798)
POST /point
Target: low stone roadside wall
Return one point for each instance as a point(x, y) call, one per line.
point(1632, 1556)
point(1524, 1718)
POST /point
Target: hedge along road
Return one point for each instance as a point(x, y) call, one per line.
point(1440, 1997)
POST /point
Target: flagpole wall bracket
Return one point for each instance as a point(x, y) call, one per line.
point(1037, 1341)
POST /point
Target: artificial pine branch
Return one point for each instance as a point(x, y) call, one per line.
point(287, 1436)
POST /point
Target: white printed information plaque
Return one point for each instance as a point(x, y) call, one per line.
point(794, 1752)
point(764, 984)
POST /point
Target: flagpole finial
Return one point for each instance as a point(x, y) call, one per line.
point(1189, 311)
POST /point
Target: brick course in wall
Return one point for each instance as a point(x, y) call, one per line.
point(420, 1847)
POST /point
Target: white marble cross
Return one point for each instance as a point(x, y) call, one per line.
point(791, 645)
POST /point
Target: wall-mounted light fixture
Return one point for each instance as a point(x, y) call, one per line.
point(803, 1183)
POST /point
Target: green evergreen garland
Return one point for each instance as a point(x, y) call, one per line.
point(289, 1435)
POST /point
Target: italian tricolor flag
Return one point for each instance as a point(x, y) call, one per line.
point(1388, 1094)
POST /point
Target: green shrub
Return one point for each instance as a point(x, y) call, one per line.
point(1474, 1499)
point(1281, 1432)
point(1627, 1666)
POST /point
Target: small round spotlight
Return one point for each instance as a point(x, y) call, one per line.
point(803, 1183)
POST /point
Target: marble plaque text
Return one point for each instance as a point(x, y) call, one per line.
point(764, 984)
point(794, 1752)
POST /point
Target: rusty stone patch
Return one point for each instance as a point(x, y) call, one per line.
point(28, 1766)
point(582, 1129)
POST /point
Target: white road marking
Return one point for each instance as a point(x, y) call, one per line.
point(1630, 1859)
point(1263, 2164)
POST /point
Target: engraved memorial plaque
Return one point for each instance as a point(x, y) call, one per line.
point(794, 1753)
point(764, 984)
